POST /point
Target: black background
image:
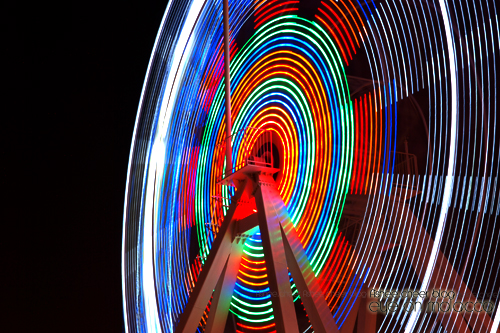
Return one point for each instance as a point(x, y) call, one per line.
point(75, 75)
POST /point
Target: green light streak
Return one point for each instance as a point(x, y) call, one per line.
point(255, 255)
point(252, 305)
point(252, 320)
point(254, 313)
point(254, 247)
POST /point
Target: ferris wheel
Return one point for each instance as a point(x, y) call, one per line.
point(295, 162)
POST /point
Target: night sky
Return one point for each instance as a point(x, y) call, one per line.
point(77, 89)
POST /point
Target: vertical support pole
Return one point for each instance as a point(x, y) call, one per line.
point(277, 272)
point(227, 82)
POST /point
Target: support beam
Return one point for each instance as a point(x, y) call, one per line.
point(367, 320)
point(212, 269)
point(350, 321)
point(277, 272)
point(283, 251)
point(245, 225)
point(309, 290)
point(311, 294)
point(223, 293)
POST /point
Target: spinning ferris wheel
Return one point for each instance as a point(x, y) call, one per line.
point(292, 160)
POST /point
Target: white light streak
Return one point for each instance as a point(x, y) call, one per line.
point(448, 189)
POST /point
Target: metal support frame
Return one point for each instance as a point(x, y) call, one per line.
point(212, 269)
point(224, 291)
point(283, 252)
point(274, 252)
